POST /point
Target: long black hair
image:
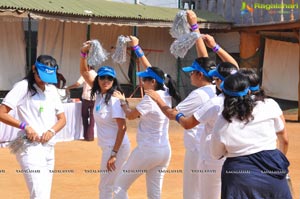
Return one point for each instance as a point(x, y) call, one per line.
point(225, 69)
point(96, 89)
point(254, 79)
point(44, 59)
point(240, 107)
point(207, 64)
point(170, 84)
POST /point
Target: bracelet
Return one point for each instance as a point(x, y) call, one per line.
point(123, 102)
point(135, 47)
point(178, 116)
point(194, 27)
point(138, 51)
point(52, 131)
point(83, 55)
point(216, 48)
point(113, 153)
point(22, 125)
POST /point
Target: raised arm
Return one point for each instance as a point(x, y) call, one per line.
point(224, 56)
point(84, 69)
point(168, 111)
point(134, 43)
point(131, 114)
point(173, 114)
point(200, 46)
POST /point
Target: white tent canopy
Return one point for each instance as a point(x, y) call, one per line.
point(281, 69)
point(12, 51)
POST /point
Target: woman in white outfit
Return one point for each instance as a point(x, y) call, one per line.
point(152, 154)
point(110, 121)
point(207, 168)
point(40, 115)
point(201, 173)
point(246, 133)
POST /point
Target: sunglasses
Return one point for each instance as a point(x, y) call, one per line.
point(147, 79)
point(109, 78)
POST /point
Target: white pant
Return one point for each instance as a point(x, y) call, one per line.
point(191, 180)
point(35, 164)
point(210, 179)
point(150, 160)
point(107, 179)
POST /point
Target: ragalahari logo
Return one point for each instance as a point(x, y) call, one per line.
point(246, 8)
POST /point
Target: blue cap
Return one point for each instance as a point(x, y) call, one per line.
point(150, 73)
point(106, 70)
point(46, 73)
point(215, 73)
point(195, 66)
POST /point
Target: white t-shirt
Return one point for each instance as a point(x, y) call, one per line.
point(207, 115)
point(86, 90)
point(188, 106)
point(154, 125)
point(38, 111)
point(105, 118)
point(239, 139)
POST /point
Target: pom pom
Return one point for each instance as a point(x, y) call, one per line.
point(20, 144)
point(119, 55)
point(180, 25)
point(97, 54)
point(182, 44)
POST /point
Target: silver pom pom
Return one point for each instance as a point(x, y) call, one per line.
point(119, 55)
point(182, 44)
point(180, 25)
point(20, 144)
point(97, 54)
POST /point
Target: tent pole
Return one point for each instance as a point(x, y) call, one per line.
point(29, 43)
point(88, 32)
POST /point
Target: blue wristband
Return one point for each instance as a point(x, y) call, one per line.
point(178, 116)
point(194, 27)
point(139, 52)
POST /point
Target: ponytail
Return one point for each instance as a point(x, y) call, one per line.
point(172, 89)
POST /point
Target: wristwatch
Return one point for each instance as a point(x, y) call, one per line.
point(113, 153)
point(123, 102)
point(52, 131)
